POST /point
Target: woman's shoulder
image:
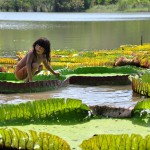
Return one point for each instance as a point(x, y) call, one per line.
point(30, 52)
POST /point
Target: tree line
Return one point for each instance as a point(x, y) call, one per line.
point(65, 5)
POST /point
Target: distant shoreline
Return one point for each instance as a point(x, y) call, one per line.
point(114, 9)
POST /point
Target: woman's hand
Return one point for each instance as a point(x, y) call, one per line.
point(26, 80)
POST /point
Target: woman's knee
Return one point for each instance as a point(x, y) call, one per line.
point(21, 74)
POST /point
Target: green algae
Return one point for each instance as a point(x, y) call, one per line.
point(74, 134)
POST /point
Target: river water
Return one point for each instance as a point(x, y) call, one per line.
point(118, 96)
point(81, 31)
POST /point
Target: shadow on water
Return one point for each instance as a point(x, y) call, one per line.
point(140, 121)
point(69, 122)
point(59, 120)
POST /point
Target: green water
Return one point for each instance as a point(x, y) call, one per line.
point(74, 134)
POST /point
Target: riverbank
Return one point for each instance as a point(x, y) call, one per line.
point(115, 8)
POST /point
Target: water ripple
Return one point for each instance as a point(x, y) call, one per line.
point(91, 95)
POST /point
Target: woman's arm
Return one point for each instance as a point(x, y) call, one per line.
point(48, 67)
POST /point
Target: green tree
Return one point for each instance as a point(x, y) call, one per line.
point(7, 5)
point(69, 5)
point(87, 4)
point(49, 5)
point(35, 4)
point(122, 5)
point(25, 5)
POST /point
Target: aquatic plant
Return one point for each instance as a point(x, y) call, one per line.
point(54, 109)
point(7, 61)
point(17, 139)
point(114, 142)
point(141, 84)
point(41, 82)
point(45, 81)
point(101, 70)
point(72, 59)
point(100, 75)
point(142, 110)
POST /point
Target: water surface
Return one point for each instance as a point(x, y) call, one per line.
point(81, 31)
point(38, 16)
point(119, 96)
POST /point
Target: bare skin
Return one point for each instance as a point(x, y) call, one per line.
point(30, 65)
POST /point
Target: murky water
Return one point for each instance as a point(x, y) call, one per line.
point(121, 96)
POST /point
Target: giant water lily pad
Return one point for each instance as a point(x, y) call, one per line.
point(100, 75)
point(17, 139)
point(141, 84)
point(9, 84)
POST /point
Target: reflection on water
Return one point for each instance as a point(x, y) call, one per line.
point(91, 95)
point(79, 35)
point(34, 16)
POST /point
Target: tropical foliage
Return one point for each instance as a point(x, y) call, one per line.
point(68, 5)
point(44, 5)
point(129, 4)
point(17, 139)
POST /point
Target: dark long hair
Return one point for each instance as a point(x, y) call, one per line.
point(45, 43)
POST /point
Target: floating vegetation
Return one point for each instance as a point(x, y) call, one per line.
point(7, 61)
point(101, 70)
point(137, 55)
point(142, 110)
point(78, 66)
point(59, 110)
point(141, 84)
point(9, 84)
point(54, 110)
point(114, 142)
point(100, 75)
point(83, 75)
point(17, 139)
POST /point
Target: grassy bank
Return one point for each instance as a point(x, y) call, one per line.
point(115, 8)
